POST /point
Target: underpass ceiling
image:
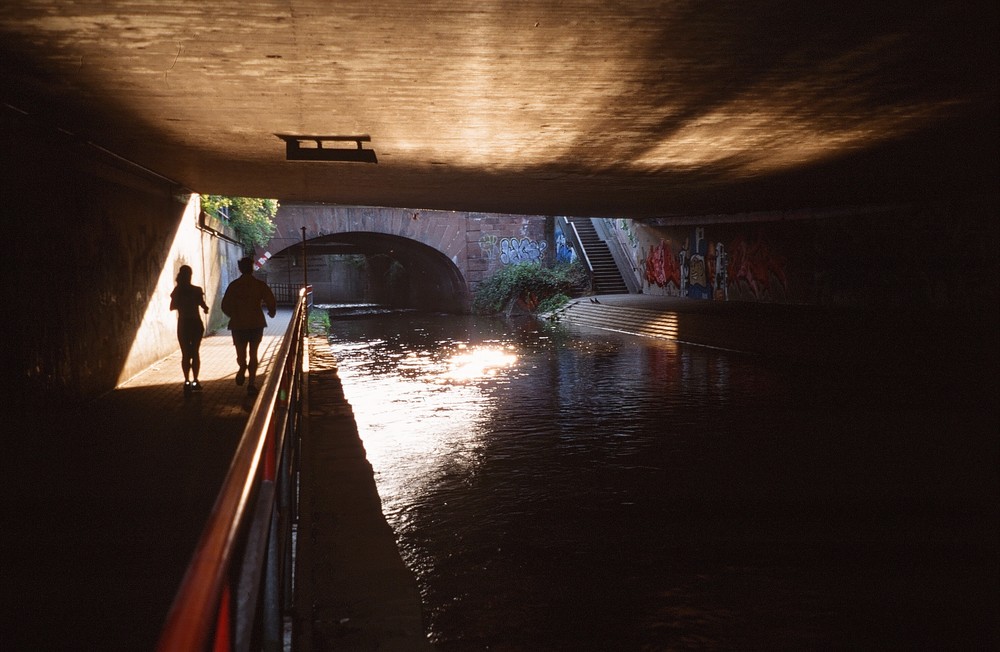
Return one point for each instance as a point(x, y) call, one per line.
point(645, 109)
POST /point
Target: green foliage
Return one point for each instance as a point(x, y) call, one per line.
point(319, 321)
point(252, 218)
point(533, 284)
point(555, 302)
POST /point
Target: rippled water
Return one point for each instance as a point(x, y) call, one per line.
point(568, 490)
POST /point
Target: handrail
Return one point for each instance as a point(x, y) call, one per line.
point(204, 603)
point(620, 255)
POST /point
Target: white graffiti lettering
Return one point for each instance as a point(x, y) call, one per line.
point(514, 251)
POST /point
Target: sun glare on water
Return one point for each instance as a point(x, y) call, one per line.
point(477, 363)
point(419, 413)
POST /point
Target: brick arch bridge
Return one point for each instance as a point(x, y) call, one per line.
point(446, 254)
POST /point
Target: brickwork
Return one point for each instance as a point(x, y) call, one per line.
point(477, 244)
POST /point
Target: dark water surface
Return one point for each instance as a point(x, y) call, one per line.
point(578, 490)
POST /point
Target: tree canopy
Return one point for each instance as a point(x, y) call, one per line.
point(252, 218)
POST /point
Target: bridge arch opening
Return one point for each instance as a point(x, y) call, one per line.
point(370, 267)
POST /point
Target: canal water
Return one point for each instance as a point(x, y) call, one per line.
point(560, 488)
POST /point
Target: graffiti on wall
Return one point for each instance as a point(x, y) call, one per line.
point(565, 253)
point(661, 266)
point(704, 269)
point(488, 246)
point(623, 229)
point(514, 251)
point(720, 282)
point(756, 266)
point(511, 251)
point(694, 266)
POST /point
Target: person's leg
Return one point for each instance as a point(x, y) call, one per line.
point(183, 342)
point(252, 364)
point(196, 359)
point(185, 364)
point(240, 342)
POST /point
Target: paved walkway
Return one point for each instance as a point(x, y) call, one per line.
point(108, 500)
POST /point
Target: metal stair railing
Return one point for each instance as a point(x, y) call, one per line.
point(238, 584)
point(620, 255)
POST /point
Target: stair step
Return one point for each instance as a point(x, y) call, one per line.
point(605, 274)
point(634, 321)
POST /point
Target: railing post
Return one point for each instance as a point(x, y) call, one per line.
point(272, 601)
point(305, 261)
point(223, 622)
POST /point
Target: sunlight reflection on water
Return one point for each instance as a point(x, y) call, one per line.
point(420, 416)
point(557, 490)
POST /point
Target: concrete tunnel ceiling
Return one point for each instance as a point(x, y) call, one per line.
point(587, 107)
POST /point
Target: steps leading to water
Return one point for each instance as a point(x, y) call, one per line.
point(633, 321)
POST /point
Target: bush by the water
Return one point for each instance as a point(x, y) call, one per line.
point(535, 285)
point(319, 321)
point(555, 302)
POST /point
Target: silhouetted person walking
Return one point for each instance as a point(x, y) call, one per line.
point(186, 299)
point(242, 303)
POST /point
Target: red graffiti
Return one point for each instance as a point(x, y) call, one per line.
point(756, 265)
point(661, 265)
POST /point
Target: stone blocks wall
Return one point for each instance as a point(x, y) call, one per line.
point(477, 244)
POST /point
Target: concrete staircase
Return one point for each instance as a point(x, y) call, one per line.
point(620, 319)
point(607, 277)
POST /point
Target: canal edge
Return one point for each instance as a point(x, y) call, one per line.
point(353, 591)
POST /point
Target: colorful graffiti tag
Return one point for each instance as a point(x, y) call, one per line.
point(701, 269)
point(514, 251)
point(661, 266)
point(565, 253)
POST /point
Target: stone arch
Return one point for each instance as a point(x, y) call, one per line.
point(399, 271)
point(472, 243)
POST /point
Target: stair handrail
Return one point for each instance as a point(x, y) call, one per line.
point(620, 255)
point(245, 547)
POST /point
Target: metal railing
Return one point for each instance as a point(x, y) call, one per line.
point(622, 257)
point(286, 294)
point(238, 585)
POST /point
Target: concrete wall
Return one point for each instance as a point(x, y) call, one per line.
point(214, 261)
point(93, 247)
point(334, 279)
point(934, 254)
